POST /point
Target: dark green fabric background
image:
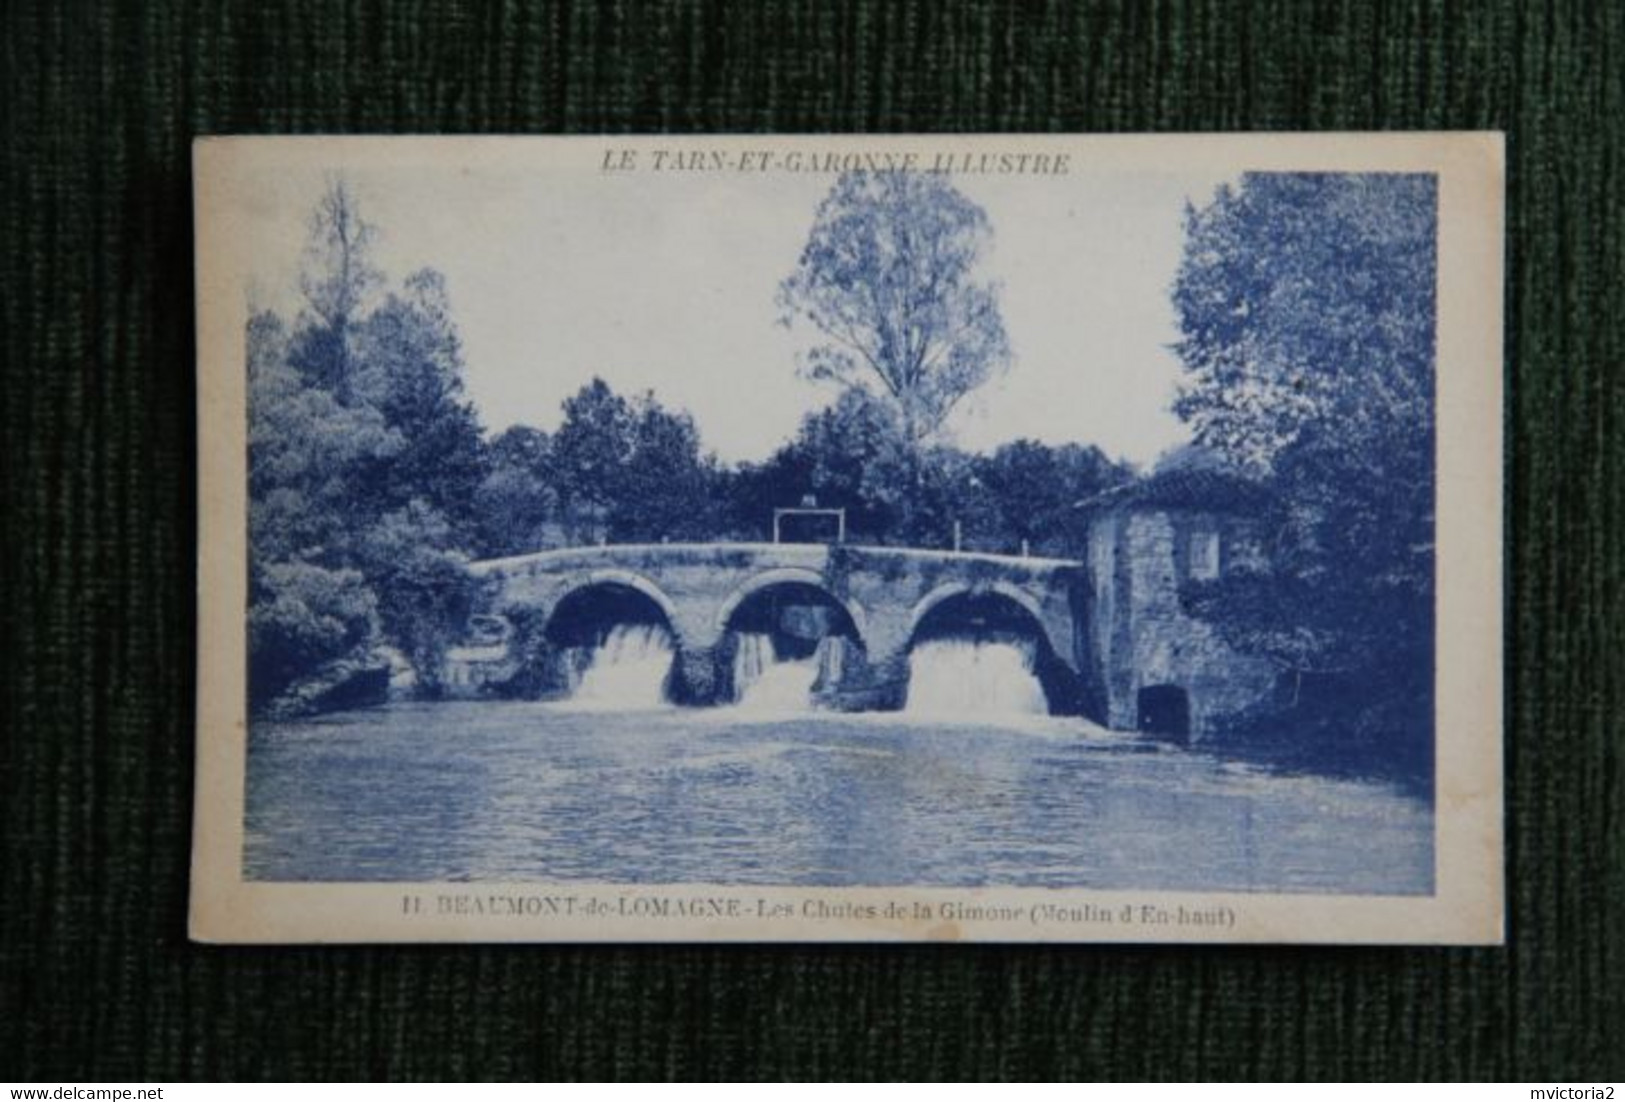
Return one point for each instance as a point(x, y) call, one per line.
point(99, 105)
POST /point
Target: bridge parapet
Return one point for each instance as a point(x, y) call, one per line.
point(803, 553)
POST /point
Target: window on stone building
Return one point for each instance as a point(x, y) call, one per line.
point(1204, 554)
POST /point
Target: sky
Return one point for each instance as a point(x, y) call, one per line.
point(666, 283)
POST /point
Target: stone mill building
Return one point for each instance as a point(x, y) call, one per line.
point(1161, 671)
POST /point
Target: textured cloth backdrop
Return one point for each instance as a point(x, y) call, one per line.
point(97, 979)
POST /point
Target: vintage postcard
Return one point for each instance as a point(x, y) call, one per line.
point(996, 538)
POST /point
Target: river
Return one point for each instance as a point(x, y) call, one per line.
point(569, 791)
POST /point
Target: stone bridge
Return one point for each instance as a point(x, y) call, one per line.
point(875, 602)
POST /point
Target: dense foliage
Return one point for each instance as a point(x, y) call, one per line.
point(364, 463)
point(1306, 304)
point(855, 455)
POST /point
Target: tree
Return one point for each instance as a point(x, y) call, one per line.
point(750, 492)
point(412, 561)
point(516, 502)
point(887, 278)
point(409, 367)
point(1035, 487)
point(337, 277)
point(861, 460)
point(631, 470)
point(1306, 310)
point(305, 454)
point(953, 505)
point(593, 443)
point(365, 463)
point(854, 454)
point(1306, 306)
point(301, 617)
point(665, 488)
point(851, 455)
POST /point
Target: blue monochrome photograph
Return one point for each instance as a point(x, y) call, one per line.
point(834, 515)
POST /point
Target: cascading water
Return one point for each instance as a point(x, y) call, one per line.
point(628, 669)
point(753, 653)
point(766, 684)
point(952, 678)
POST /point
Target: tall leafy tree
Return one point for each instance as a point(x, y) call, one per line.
point(337, 278)
point(631, 470)
point(665, 488)
point(410, 369)
point(888, 278)
point(594, 442)
point(517, 500)
point(1034, 487)
point(1307, 312)
point(365, 462)
point(305, 450)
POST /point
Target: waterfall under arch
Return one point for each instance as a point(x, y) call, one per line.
point(784, 641)
point(981, 655)
point(615, 646)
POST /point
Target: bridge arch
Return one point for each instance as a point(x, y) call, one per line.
point(611, 579)
point(950, 590)
point(784, 575)
point(996, 611)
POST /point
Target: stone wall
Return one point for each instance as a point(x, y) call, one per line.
point(1139, 557)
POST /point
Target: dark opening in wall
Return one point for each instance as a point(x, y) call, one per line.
point(1165, 711)
point(586, 616)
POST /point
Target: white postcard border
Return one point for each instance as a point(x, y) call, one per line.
point(1467, 907)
